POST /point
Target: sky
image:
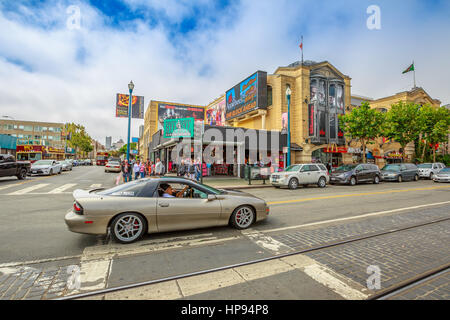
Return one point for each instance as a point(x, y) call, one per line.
point(64, 61)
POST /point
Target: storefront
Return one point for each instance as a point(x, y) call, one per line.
point(29, 152)
point(53, 153)
point(393, 157)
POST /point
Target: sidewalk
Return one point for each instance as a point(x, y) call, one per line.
point(232, 182)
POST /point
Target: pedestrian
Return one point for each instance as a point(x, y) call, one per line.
point(142, 169)
point(136, 169)
point(152, 168)
point(191, 170)
point(198, 170)
point(181, 169)
point(159, 167)
point(126, 171)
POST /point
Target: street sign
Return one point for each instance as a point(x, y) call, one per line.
point(179, 128)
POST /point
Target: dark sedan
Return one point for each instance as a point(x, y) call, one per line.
point(400, 172)
point(355, 173)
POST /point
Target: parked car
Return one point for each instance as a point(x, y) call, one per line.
point(66, 165)
point(48, 167)
point(88, 162)
point(442, 176)
point(301, 174)
point(75, 162)
point(429, 170)
point(112, 166)
point(10, 167)
point(400, 172)
point(353, 174)
point(151, 205)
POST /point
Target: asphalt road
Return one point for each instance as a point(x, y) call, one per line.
point(33, 229)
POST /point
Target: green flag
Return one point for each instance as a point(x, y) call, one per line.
point(410, 68)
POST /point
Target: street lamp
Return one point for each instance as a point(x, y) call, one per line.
point(130, 88)
point(288, 97)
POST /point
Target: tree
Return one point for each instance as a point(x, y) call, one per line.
point(403, 123)
point(364, 124)
point(80, 140)
point(439, 130)
point(123, 150)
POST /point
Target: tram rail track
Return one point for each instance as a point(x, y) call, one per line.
point(378, 295)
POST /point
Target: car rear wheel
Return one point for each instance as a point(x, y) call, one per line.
point(322, 182)
point(416, 178)
point(376, 180)
point(400, 179)
point(22, 174)
point(51, 172)
point(128, 227)
point(352, 181)
point(293, 184)
point(242, 217)
point(431, 176)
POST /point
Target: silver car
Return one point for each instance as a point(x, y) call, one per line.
point(301, 174)
point(442, 176)
point(163, 204)
point(66, 165)
point(46, 167)
point(112, 166)
point(429, 170)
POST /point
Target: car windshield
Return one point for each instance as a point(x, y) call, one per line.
point(126, 189)
point(445, 170)
point(43, 162)
point(292, 168)
point(211, 189)
point(425, 166)
point(347, 167)
point(391, 167)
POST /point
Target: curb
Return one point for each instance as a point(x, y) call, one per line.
point(244, 187)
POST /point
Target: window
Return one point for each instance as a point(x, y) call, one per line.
point(20, 127)
point(138, 188)
point(322, 167)
point(38, 128)
point(269, 96)
point(28, 128)
point(37, 137)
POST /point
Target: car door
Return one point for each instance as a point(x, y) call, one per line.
point(360, 173)
point(187, 212)
point(9, 166)
point(314, 173)
point(304, 175)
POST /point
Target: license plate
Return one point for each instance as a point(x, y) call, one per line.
point(333, 179)
point(34, 171)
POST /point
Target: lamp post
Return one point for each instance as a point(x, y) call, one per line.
point(288, 97)
point(130, 88)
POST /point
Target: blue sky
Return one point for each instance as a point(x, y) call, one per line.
point(192, 51)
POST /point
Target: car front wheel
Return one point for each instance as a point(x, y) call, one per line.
point(376, 180)
point(416, 178)
point(322, 182)
point(242, 217)
point(431, 176)
point(400, 179)
point(293, 184)
point(128, 227)
point(352, 181)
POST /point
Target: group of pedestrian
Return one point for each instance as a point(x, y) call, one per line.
point(191, 169)
point(141, 169)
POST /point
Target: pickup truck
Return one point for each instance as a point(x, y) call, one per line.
point(10, 167)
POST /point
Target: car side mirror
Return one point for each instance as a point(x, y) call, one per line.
point(211, 197)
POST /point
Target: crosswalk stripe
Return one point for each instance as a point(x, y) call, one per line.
point(29, 189)
point(96, 185)
point(63, 187)
point(8, 186)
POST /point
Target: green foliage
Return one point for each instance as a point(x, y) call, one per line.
point(123, 150)
point(403, 123)
point(364, 124)
point(80, 140)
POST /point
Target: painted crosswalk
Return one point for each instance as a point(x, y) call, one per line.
point(29, 189)
point(44, 188)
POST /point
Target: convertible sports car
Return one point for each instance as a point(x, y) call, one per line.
point(158, 205)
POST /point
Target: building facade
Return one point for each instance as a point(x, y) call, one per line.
point(36, 140)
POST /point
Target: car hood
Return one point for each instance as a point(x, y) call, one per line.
point(79, 193)
point(441, 174)
point(339, 172)
point(237, 193)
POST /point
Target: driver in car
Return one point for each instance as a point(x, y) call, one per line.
point(169, 193)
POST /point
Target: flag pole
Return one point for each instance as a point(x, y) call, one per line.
point(414, 75)
point(302, 50)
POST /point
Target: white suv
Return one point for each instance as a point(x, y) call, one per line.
point(301, 174)
point(429, 170)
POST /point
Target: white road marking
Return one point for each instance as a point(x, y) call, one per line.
point(21, 263)
point(63, 187)
point(356, 217)
point(96, 185)
point(266, 242)
point(26, 190)
point(8, 186)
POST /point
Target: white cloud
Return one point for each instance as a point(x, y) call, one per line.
point(75, 74)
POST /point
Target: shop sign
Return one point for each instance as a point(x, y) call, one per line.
point(179, 128)
point(394, 155)
point(248, 95)
point(174, 111)
point(215, 114)
point(354, 150)
point(29, 148)
point(311, 125)
point(335, 150)
point(54, 150)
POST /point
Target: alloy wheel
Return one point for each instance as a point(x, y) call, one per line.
point(243, 217)
point(322, 182)
point(128, 228)
point(293, 183)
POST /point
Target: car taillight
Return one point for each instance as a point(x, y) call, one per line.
point(77, 208)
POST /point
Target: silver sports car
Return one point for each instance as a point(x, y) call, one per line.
point(163, 204)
